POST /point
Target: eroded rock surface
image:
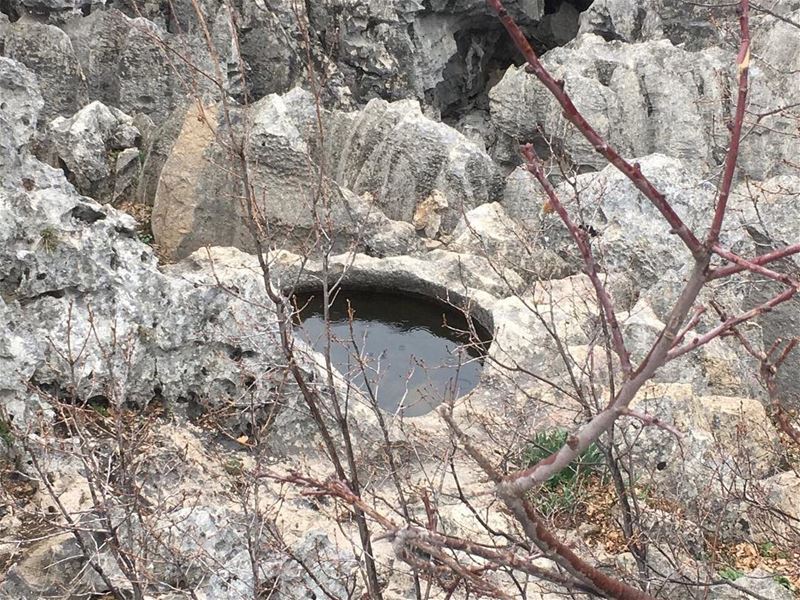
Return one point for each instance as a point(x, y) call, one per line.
point(407, 173)
point(388, 157)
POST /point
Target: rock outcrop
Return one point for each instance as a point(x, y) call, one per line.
point(152, 423)
point(374, 169)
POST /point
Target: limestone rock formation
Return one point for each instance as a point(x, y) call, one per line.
point(388, 153)
point(71, 267)
point(98, 148)
point(689, 26)
point(394, 124)
point(643, 98)
point(47, 51)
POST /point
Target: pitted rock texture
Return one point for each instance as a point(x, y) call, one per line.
point(379, 163)
point(47, 51)
point(643, 98)
point(96, 147)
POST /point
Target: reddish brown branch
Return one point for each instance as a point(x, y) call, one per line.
point(743, 63)
point(764, 259)
point(732, 322)
point(751, 266)
point(581, 240)
point(631, 171)
point(693, 321)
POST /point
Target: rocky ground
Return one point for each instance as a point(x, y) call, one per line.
point(148, 416)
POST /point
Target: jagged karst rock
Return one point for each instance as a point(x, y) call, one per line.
point(771, 147)
point(197, 203)
point(48, 52)
point(443, 52)
point(130, 63)
point(642, 98)
point(97, 146)
point(643, 20)
point(99, 40)
point(726, 443)
point(768, 212)
point(653, 97)
point(196, 334)
point(627, 232)
point(389, 152)
point(639, 96)
point(401, 157)
point(197, 528)
point(19, 111)
point(70, 266)
point(55, 11)
point(489, 231)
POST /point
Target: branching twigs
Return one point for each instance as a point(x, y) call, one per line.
point(581, 240)
point(632, 171)
point(727, 325)
point(743, 64)
point(764, 259)
point(513, 489)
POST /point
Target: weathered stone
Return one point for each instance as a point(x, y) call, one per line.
point(642, 98)
point(780, 495)
point(726, 443)
point(768, 213)
point(390, 152)
point(89, 146)
point(689, 25)
point(99, 41)
point(19, 111)
point(489, 231)
point(427, 217)
point(758, 581)
point(48, 52)
point(401, 157)
point(145, 76)
point(770, 146)
point(57, 11)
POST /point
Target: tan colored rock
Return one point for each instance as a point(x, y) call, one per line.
point(174, 207)
point(427, 216)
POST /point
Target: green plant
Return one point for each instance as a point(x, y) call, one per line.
point(5, 432)
point(100, 407)
point(730, 573)
point(784, 581)
point(564, 489)
point(234, 466)
point(49, 239)
point(766, 548)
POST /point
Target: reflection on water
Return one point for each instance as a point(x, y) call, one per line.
point(414, 355)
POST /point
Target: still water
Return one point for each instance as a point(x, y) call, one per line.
point(414, 353)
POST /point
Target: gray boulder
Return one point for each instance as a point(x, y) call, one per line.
point(377, 166)
point(71, 268)
point(655, 97)
point(770, 147)
point(19, 111)
point(48, 52)
point(398, 155)
point(768, 213)
point(132, 63)
point(99, 40)
point(690, 25)
point(726, 444)
point(489, 231)
point(441, 52)
point(56, 11)
point(97, 147)
point(642, 98)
